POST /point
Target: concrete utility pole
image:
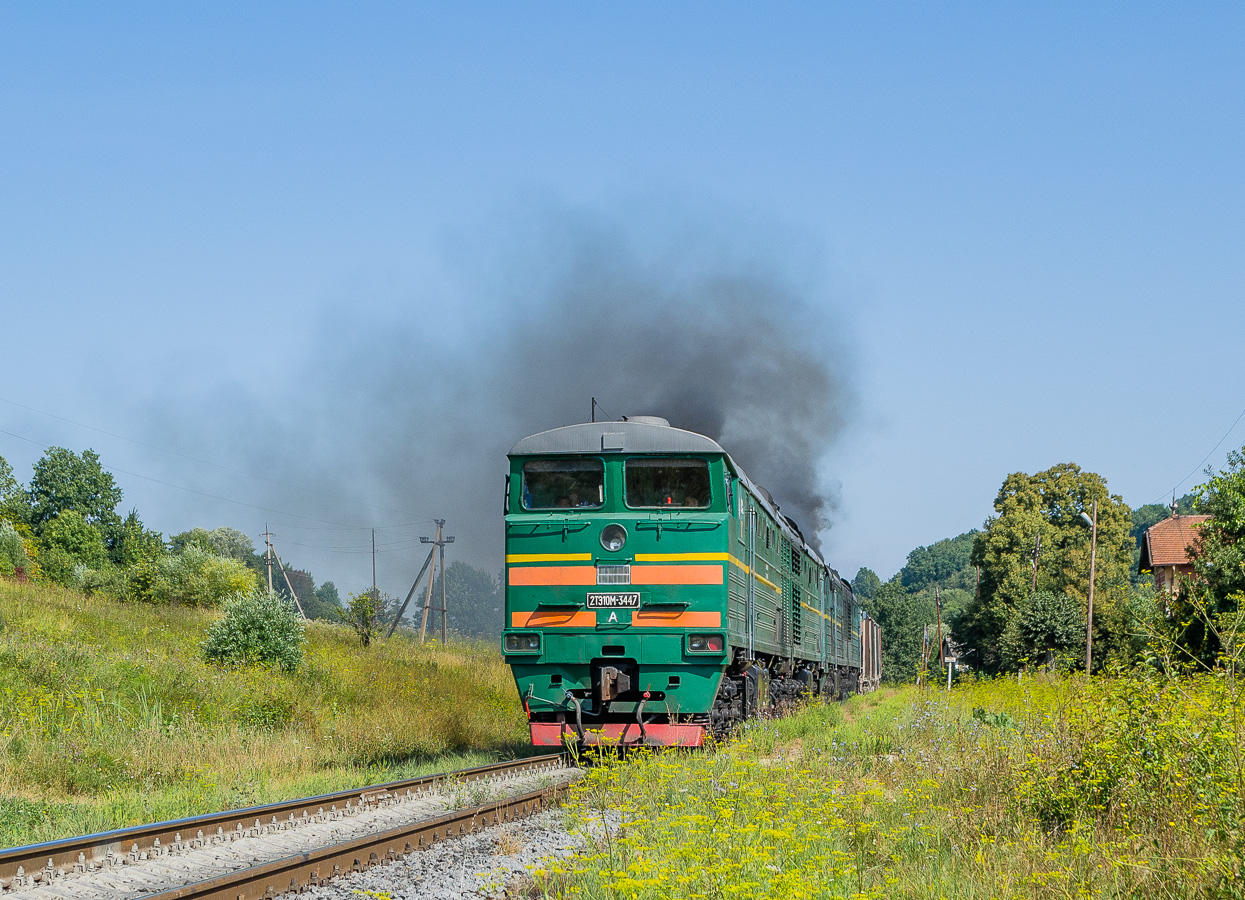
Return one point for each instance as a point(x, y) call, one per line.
point(268, 554)
point(373, 560)
point(291, 587)
point(411, 592)
point(441, 546)
point(1089, 616)
point(423, 621)
point(438, 543)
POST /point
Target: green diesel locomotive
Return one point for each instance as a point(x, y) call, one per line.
point(655, 594)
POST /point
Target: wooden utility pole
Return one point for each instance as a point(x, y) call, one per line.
point(1089, 616)
point(921, 672)
point(268, 554)
point(1037, 549)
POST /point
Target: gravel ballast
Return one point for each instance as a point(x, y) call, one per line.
point(484, 864)
point(194, 858)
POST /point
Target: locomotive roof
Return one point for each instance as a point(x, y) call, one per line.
point(615, 437)
point(650, 437)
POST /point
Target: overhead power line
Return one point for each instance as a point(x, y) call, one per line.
point(1199, 466)
point(206, 462)
point(333, 530)
point(364, 550)
point(181, 487)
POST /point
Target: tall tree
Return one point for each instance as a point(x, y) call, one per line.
point(8, 484)
point(14, 504)
point(135, 543)
point(304, 585)
point(195, 537)
point(1048, 629)
point(473, 599)
point(63, 480)
point(947, 563)
point(69, 540)
point(232, 544)
point(866, 583)
point(902, 617)
point(1048, 504)
point(325, 603)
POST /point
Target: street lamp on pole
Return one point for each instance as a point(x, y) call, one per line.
point(1089, 615)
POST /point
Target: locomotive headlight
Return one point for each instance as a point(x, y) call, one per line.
point(705, 643)
point(613, 538)
point(522, 643)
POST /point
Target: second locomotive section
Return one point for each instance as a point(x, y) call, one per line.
point(654, 593)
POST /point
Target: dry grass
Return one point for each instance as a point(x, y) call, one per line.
point(109, 716)
point(509, 841)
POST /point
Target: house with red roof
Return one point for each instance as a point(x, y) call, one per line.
point(1165, 550)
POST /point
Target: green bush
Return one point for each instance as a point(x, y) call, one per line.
point(12, 550)
point(194, 577)
point(108, 581)
point(364, 613)
point(1047, 629)
point(59, 566)
point(71, 546)
point(258, 628)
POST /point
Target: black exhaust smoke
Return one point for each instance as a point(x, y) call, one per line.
point(419, 426)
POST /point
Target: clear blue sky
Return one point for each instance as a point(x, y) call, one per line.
point(1027, 223)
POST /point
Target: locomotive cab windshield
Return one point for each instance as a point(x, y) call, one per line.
point(564, 483)
point(667, 483)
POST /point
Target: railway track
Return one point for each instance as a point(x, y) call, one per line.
point(261, 851)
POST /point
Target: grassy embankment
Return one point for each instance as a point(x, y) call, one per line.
point(1047, 788)
point(110, 717)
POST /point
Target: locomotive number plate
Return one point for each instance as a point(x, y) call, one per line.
point(614, 601)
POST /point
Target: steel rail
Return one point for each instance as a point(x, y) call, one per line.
point(316, 867)
point(69, 853)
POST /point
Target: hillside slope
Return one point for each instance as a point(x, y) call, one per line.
point(109, 716)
